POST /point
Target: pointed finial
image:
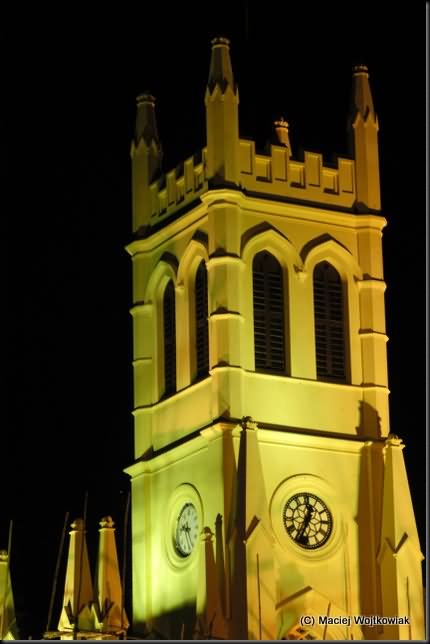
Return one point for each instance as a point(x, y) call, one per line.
point(281, 129)
point(147, 154)
point(360, 69)
point(107, 522)
point(207, 535)
point(78, 525)
point(220, 40)
point(146, 124)
point(363, 142)
point(145, 97)
point(393, 439)
point(362, 101)
point(78, 589)
point(221, 71)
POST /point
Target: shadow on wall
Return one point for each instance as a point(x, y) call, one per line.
point(370, 421)
point(368, 520)
point(176, 624)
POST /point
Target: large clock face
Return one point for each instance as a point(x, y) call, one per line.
point(187, 530)
point(307, 520)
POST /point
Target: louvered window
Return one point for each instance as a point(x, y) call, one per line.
point(329, 323)
point(169, 339)
point(269, 328)
point(202, 335)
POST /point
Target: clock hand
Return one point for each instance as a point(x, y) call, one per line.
point(188, 536)
point(301, 531)
point(306, 520)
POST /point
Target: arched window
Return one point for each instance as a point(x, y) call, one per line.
point(329, 323)
point(269, 327)
point(169, 321)
point(202, 335)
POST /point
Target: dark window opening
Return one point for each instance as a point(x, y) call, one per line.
point(268, 297)
point(169, 339)
point(329, 323)
point(202, 333)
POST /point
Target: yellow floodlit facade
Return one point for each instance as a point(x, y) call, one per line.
point(269, 499)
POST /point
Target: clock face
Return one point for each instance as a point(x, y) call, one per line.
point(187, 530)
point(307, 520)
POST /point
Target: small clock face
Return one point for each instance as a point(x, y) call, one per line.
point(307, 520)
point(187, 530)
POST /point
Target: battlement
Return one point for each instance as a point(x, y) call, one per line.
point(279, 175)
point(178, 188)
point(275, 175)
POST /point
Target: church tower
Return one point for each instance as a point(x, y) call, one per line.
point(266, 486)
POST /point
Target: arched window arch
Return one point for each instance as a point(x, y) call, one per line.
point(269, 324)
point(201, 310)
point(329, 311)
point(169, 329)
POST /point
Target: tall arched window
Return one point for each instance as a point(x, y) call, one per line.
point(329, 323)
point(269, 326)
point(169, 321)
point(202, 334)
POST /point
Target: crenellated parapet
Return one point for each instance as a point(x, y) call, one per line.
point(177, 189)
point(278, 175)
point(273, 175)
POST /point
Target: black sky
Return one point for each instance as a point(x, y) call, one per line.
point(68, 427)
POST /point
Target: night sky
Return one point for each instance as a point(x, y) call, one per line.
point(68, 127)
